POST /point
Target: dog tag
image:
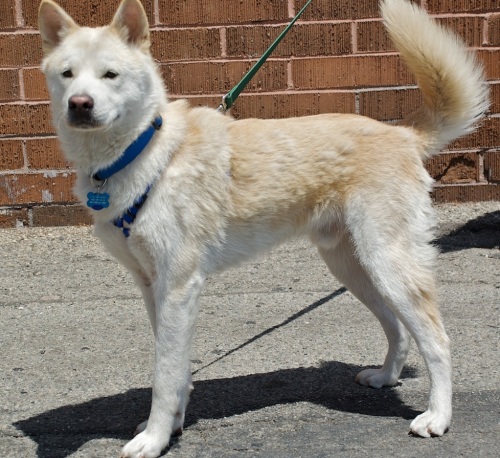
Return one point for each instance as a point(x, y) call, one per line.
point(98, 200)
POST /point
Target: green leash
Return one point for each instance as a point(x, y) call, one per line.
point(229, 99)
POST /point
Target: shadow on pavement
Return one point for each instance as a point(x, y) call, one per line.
point(482, 232)
point(62, 431)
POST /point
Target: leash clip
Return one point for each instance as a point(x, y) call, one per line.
point(222, 108)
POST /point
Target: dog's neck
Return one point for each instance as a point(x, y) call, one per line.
point(131, 152)
point(91, 151)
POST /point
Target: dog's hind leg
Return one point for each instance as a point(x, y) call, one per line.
point(344, 265)
point(392, 246)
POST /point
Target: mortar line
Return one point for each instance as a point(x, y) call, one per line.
point(156, 12)
point(223, 41)
point(19, 13)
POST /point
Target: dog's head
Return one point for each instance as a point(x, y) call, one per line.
point(102, 77)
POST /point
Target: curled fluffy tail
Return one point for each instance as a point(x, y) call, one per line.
point(452, 82)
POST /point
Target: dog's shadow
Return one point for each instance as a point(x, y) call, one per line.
point(60, 432)
point(481, 232)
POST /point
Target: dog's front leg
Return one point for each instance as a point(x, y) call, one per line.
point(176, 309)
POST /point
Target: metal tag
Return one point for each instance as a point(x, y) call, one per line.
point(98, 200)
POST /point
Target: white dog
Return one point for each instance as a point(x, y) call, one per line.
point(198, 191)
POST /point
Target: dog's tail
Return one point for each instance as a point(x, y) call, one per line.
point(452, 82)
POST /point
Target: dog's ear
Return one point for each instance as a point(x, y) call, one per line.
point(131, 23)
point(54, 24)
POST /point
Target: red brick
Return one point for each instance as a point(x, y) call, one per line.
point(346, 9)
point(486, 136)
point(185, 44)
point(339, 72)
point(13, 217)
point(389, 105)
point(495, 98)
point(490, 59)
point(454, 168)
point(289, 105)
point(91, 13)
point(45, 154)
point(8, 14)
point(210, 77)
point(462, 6)
point(492, 166)
point(494, 30)
point(302, 40)
point(9, 85)
point(61, 215)
point(466, 193)
point(20, 49)
point(25, 119)
point(372, 36)
point(39, 119)
point(21, 189)
point(469, 28)
point(35, 87)
point(11, 154)
point(182, 12)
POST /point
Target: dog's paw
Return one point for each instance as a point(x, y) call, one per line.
point(375, 378)
point(430, 424)
point(144, 445)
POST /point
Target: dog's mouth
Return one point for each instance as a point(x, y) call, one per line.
point(81, 114)
point(88, 122)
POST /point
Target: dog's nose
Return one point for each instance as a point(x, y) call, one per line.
point(81, 103)
point(80, 111)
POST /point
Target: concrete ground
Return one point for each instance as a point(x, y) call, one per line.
point(279, 342)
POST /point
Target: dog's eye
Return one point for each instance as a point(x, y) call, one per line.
point(67, 74)
point(110, 75)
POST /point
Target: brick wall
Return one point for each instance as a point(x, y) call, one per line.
point(337, 58)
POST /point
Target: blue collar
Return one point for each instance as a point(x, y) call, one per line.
point(131, 152)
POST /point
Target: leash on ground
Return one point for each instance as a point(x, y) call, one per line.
point(308, 309)
point(229, 99)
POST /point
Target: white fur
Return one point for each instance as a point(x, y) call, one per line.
point(224, 190)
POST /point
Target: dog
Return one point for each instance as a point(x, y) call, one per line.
point(178, 193)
